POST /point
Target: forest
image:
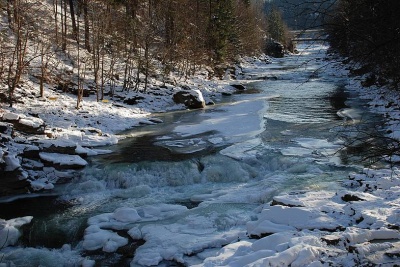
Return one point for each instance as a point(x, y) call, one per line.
point(133, 40)
point(130, 40)
point(368, 33)
point(365, 31)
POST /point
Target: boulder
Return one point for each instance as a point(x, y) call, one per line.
point(22, 123)
point(30, 125)
point(12, 163)
point(133, 101)
point(10, 117)
point(10, 184)
point(57, 146)
point(62, 161)
point(5, 128)
point(275, 49)
point(192, 99)
point(31, 152)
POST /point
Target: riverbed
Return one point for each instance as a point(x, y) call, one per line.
point(196, 179)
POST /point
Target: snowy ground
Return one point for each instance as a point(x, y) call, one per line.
point(357, 225)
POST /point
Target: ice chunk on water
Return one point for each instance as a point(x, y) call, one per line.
point(127, 215)
point(96, 238)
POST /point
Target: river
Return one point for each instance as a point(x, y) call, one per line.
point(198, 177)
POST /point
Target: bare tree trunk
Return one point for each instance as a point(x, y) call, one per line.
point(146, 58)
point(86, 21)
point(9, 16)
point(55, 10)
point(71, 9)
point(102, 76)
point(80, 88)
point(19, 52)
point(42, 71)
point(64, 25)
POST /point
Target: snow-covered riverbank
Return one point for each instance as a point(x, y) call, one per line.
point(355, 225)
point(45, 137)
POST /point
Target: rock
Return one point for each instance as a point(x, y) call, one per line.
point(10, 230)
point(30, 125)
point(185, 87)
point(5, 128)
point(349, 197)
point(156, 120)
point(394, 253)
point(3, 98)
point(240, 87)
point(262, 78)
point(192, 99)
point(92, 130)
point(62, 161)
point(12, 163)
point(331, 240)
point(31, 152)
point(10, 184)
point(275, 49)
point(276, 203)
point(85, 92)
point(58, 146)
point(133, 101)
point(11, 117)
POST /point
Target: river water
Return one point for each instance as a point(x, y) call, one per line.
point(210, 169)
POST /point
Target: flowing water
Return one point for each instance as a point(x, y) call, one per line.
point(219, 163)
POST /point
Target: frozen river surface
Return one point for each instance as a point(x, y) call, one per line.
point(188, 186)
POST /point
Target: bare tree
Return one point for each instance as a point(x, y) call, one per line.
point(18, 61)
point(73, 21)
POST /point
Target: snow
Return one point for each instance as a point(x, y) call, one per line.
point(126, 215)
point(12, 162)
point(9, 230)
point(108, 241)
point(91, 152)
point(32, 122)
point(294, 217)
point(9, 116)
point(41, 184)
point(198, 95)
point(292, 243)
point(63, 159)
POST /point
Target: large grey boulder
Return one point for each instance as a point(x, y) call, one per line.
point(192, 99)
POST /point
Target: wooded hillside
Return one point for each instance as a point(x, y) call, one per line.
point(91, 43)
point(368, 32)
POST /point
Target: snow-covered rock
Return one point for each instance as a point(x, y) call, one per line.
point(10, 116)
point(9, 230)
point(12, 162)
point(32, 122)
point(191, 99)
point(63, 160)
